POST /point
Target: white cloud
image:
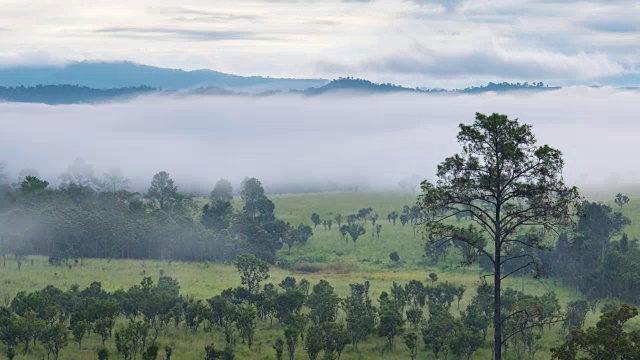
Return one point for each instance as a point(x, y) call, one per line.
point(289, 138)
point(558, 38)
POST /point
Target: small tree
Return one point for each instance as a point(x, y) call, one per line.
point(103, 354)
point(391, 321)
point(394, 257)
point(279, 348)
point(314, 341)
point(252, 272)
point(355, 231)
point(162, 190)
point(338, 219)
point(291, 337)
point(78, 329)
point(315, 218)
point(246, 323)
point(55, 338)
point(378, 230)
point(411, 343)
point(222, 191)
point(621, 200)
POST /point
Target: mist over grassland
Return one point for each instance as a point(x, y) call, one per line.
point(370, 141)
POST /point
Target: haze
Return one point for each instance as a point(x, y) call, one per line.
point(370, 141)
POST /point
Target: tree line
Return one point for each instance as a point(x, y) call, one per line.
point(90, 217)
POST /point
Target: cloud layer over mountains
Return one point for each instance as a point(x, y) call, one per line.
point(368, 140)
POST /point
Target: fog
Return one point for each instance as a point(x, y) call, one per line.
point(369, 141)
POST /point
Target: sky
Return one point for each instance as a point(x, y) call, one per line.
point(429, 43)
point(370, 141)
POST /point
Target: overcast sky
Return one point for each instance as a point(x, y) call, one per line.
point(444, 43)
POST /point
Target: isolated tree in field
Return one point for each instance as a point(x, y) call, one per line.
point(621, 200)
point(378, 230)
point(393, 217)
point(500, 166)
point(351, 219)
point(404, 219)
point(344, 230)
point(355, 231)
point(162, 190)
point(222, 191)
point(252, 272)
point(315, 219)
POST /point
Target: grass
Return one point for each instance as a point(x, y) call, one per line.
point(325, 256)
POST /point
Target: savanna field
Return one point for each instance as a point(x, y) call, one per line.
point(326, 256)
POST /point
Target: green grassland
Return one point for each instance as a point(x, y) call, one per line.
point(325, 256)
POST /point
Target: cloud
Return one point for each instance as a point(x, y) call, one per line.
point(372, 140)
point(613, 25)
point(199, 35)
point(449, 5)
point(489, 62)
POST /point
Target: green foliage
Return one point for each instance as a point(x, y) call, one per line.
point(504, 182)
point(360, 313)
point(391, 322)
point(606, 341)
point(291, 337)
point(252, 272)
point(279, 348)
point(411, 343)
point(323, 303)
point(55, 338)
point(163, 190)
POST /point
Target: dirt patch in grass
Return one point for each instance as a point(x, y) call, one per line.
point(323, 268)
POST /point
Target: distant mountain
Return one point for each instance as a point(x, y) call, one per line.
point(74, 94)
point(69, 94)
point(358, 86)
point(113, 75)
point(365, 86)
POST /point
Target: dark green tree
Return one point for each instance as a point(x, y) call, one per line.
point(55, 338)
point(608, 340)
point(500, 166)
point(411, 344)
point(323, 303)
point(162, 190)
point(391, 322)
point(621, 200)
point(315, 219)
point(279, 348)
point(355, 231)
point(291, 337)
point(314, 341)
point(252, 272)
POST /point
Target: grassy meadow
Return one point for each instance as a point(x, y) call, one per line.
point(325, 256)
